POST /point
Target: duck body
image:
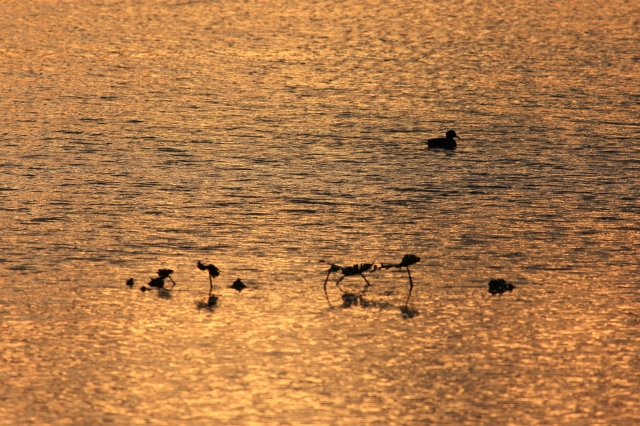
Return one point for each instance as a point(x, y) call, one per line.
point(447, 142)
point(499, 286)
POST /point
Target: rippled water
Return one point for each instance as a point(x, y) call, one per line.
point(267, 136)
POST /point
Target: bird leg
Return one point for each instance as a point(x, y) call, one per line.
point(325, 287)
point(367, 286)
point(410, 287)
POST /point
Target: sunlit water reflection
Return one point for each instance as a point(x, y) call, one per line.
point(267, 137)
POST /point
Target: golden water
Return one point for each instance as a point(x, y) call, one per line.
point(265, 136)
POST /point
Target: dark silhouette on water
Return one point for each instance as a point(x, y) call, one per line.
point(213, 273)
point(352, 299)
point(332, 268)
point(130, 282)
point(166, 273)
point(408, 313)
point(499, 286)
point(407, 260)
point(211, 302)
point(157, 282)
point(238, 285)
point(164, 293)
point(447, 142)
point(349, 271)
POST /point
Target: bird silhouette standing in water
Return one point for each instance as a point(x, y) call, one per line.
point(447, 142)
point(213, 273)
point(163, 274)
point(407, 260)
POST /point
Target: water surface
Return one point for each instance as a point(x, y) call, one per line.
point(267, 136)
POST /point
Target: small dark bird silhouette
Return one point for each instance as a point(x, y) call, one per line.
point(157, 282)
point(213, 273)
point(165, 273)
point(499, 286)
point(447, 142)
point(143, 289)
point(130, 282)
point(349, 271)
point(407, 260)
point(238, 285)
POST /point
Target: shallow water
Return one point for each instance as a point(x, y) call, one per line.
point(267, 136)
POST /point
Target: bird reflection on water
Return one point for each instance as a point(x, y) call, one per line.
point(158, 282)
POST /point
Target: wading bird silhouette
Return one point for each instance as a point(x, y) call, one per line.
point(130, 282)
point(158, 282)
point(349, 271)
point(166, 273)
point(407, 260)
point(213, 273)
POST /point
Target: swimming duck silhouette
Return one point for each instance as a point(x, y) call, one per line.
point(499, 286)
point(447, 142)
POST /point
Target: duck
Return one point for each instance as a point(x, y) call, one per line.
point(447, 142)
point(499, 286)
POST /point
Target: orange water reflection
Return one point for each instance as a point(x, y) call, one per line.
point(265, 137)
